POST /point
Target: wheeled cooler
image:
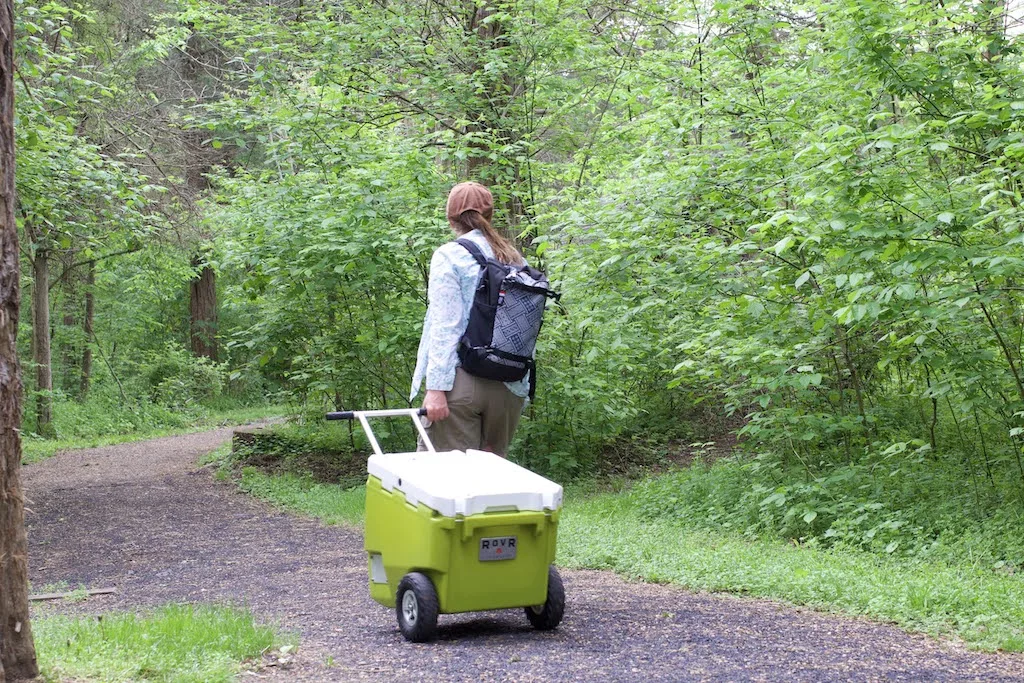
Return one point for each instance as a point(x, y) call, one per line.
point(455, 531)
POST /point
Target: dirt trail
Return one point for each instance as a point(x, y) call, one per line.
point(144, 519)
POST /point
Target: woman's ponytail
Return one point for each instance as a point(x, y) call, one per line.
point(504, 250)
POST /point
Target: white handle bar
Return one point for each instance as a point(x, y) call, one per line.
point(362, 416)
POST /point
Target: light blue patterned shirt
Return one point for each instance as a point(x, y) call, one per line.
point(453, 278)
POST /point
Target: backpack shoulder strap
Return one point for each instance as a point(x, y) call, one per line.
point(472, 248)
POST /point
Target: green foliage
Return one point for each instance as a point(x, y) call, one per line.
point(176, 643)
point(179, 380)
point(106, 415)
point(730, 237)
point(77, 201)
point(883, 504)
point(798, 220)
point(335, 268)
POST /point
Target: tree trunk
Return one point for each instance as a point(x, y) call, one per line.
point(203, 311)
point(41, 341)
point(491, 114)
point(17, 648)
point(485, 112)
point(90, 313)
point(67, 368)
point(200, 59)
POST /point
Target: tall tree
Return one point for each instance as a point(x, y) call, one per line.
point(17, 648)
point(41, 338)
point(87, 329)
point(199, 58)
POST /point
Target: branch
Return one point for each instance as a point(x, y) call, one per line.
point(63, 274)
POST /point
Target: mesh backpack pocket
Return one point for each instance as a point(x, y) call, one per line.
point(505, 320)
point(520, 312)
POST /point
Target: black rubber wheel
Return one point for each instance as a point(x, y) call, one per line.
point(547, 616)
point(417, 607)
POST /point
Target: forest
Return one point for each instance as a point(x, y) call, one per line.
point(793, 226)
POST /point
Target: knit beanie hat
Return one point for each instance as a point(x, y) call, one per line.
point(469, 197)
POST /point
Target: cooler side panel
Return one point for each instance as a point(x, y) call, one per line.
point(407, 538)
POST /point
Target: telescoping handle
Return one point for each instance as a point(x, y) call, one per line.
point(362, 416)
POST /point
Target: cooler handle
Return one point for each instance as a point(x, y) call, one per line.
point(537, 521)
point(362, 416)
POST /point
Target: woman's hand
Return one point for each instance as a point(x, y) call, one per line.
point(436, 404)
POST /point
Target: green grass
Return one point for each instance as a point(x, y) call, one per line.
point(36, 449)
point(329, 503)
point(982, 606)
point(177, 643)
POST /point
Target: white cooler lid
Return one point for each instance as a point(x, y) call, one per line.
point(465, 483)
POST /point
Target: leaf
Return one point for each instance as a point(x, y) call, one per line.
point(782, 245)
point(987, 198)
point(946, 217)
point(810, 516)
point(803, 279)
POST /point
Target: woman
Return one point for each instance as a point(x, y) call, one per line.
point(464, 411)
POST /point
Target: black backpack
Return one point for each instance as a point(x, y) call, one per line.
point(508, 309)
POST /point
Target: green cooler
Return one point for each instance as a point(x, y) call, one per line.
point(450, 532)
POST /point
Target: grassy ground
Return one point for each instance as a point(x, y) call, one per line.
point(177, 643)
point(36, 449)
point(330, 503)
point(985, 608)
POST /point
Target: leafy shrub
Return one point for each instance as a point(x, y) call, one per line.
point(177, 379)
point(106, 413)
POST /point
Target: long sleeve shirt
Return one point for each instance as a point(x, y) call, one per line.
point(454, 274)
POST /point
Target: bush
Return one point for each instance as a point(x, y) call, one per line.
point(177, 379)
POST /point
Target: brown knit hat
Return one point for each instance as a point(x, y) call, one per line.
point(469, 197)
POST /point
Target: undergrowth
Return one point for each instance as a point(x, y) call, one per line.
point(912, 507)
point(304, 450)
point(273, 471)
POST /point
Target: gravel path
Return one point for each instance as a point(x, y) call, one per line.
point(144, 519)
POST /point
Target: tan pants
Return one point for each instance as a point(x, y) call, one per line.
point(483, 416)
